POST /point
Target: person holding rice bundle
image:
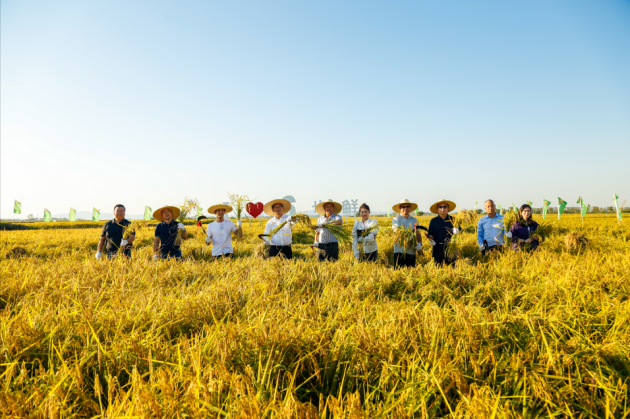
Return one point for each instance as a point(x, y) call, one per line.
point(441, 230)
point(490, 229)
point(219, 233)
point(280, 242)
point(364, 234)
point(112, 236)
point(405, 256)
point(165, 243)
point(325, 242)
point(522, 230)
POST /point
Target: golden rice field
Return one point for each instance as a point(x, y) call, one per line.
point(523, 335)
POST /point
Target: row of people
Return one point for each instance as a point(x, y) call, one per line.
point(490, 232)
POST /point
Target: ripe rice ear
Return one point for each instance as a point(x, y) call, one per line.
point(575, 241)
point(238, 202)
point(406, 238)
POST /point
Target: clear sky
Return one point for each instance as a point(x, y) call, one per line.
point(144, 103)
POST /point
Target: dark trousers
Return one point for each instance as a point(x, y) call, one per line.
point(439, 255)
point(328, 251)
point(369, 257)
point(225, 255)
point(404, 260)
point(491, 249)
point(177, 254)
point(286, 251)
point(126, 251)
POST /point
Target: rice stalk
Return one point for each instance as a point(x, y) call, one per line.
point(406, 238)
point(238, 202)
point(186, 208)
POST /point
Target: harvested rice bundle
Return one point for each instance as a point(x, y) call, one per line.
point(133, 227)
point(463, 220)
point(341, 234)
point(543, 230)
point(266, 238)
point(406, 238)
point(509, 218)
point(575, 241)
point(364, 234)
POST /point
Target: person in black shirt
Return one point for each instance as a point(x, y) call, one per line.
point(112, 235)
point(441, 229)
point(165, 244)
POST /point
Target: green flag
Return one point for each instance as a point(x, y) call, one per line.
point(514, 208)
point(500, 209)
point(616, 202)
point(96, 214)
point(17, 207)
point(47, 216)
point(147, 213)
point(199, 211)
point(475, 208)
point(73, 215)
point(417, 208)
point(562, 204)
point(530, 203)
point(545, 208)
point(388, 213)
point(583, 205)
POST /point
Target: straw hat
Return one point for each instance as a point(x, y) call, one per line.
point(451, 205)
point(213, 208)
point(396, 207)
point(319, 208)
point(157, 214)
point(268, 208)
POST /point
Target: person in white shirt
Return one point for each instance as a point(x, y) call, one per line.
point(219, 233)
point(325, 242)
point(280, 242)
point(370, 248)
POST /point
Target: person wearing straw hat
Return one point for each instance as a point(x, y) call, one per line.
point(405, 257)
point(370, 248)
point(165, 244)
point(441, 229)
point(112, 236)
point(219, 233)
point(325, 242)
point(279, 243)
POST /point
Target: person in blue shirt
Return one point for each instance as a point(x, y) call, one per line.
point(490, 229)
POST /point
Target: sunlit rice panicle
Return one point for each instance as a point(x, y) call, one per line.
point(238, 202)
point(133, 228)
point(575, 241)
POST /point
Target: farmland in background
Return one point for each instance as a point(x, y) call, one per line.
point(519, 335)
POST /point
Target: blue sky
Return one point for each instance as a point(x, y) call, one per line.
point(143, 103)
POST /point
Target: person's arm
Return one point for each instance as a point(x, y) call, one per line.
point(338, 222)
point(156, 245)
point(101, 244)
point(184, 234)
point(480, 233)
point(208, 235)
point(239, 232)
point(131, 238)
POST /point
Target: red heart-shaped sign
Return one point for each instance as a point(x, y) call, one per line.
point(254, 209)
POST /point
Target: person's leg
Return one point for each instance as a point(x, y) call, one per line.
point(399, 259)
point(333, 252)
point(410, 260)
point(321, 255)
point(372, 256)
point(111, 255)
point(229, 255)
point(438, 255)
point(287, 251)
point(273, 251)
point(177, 254)
point(127, 252)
